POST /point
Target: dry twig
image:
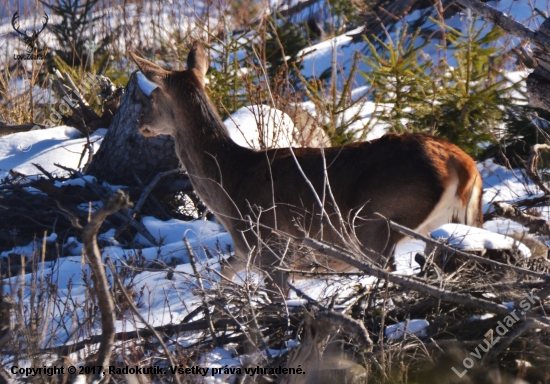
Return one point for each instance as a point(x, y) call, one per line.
point(405, 281)
point(504, 344)
point(142, 319)
point(532, 166)
point(101, 285)
point(507, 24)
point(512, 212)
point(205, 305)
point(152, 185)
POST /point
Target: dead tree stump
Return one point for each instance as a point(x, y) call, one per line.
point(125, 153)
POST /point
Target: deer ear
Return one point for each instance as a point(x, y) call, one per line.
point(198, 60)
point(151, 71)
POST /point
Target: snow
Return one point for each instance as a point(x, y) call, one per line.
point(502, 184)
point(62, 145)
point(415, 327)
point(145, 84)
point(485, 316)
point(80, 181)
point(219, 358)
point(175, 230)
point(320, 57)
point(505, 227)
point(276, 127)
point(208, 241)
point(467, 238)
point(109, 237)
point(170, 300)
point(33, 246)
point(405, 252)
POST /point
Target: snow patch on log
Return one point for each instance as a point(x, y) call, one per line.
point(145, 85)
point(468, 238)
point(415, 327)
point(261, 127)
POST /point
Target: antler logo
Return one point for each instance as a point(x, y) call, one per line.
point(31, 40)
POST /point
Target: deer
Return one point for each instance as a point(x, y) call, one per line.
point(341, 195)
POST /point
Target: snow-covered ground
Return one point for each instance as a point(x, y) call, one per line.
point(47, 147)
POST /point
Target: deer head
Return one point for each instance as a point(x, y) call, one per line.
point(159, 116)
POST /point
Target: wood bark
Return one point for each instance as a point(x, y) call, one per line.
point(385, 13)
point(125, 153)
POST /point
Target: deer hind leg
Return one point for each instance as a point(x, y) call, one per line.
point(231, 266)
point(275, 284)
point(376, 236)
point(275, 280)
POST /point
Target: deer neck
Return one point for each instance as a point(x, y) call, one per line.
point(205, 148)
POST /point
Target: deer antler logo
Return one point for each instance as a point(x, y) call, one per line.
point(30, 40)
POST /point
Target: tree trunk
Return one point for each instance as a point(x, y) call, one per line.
point(538, 82)
point(125, 153)
point(382, 14)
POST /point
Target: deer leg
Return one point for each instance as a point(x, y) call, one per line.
point(231, 266)
point(275, 280)
point(275, 284)
point(380, 239)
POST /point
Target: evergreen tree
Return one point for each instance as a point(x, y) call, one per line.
point(400, 79)
point(75, 30)
point(463, 98)
point(226, 86)
point(525, 127)
point(282, 43)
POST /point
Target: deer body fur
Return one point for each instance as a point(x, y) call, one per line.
point(416, 180)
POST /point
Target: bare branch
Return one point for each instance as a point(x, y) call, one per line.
point(101, 191)
point(512, 212)
point(502, 20)
point(141, 318)
point(104, 299)
point(409, 282)
point(532, 166)
point(406, 281)
point(152, 184)
point(202, 292)
point(41, 169)
point(504, 344)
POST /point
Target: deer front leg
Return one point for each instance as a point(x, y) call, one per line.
point(270, 262)
point(275, 284)
point(266, 264)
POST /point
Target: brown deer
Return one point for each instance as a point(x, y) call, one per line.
point(341, 195)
